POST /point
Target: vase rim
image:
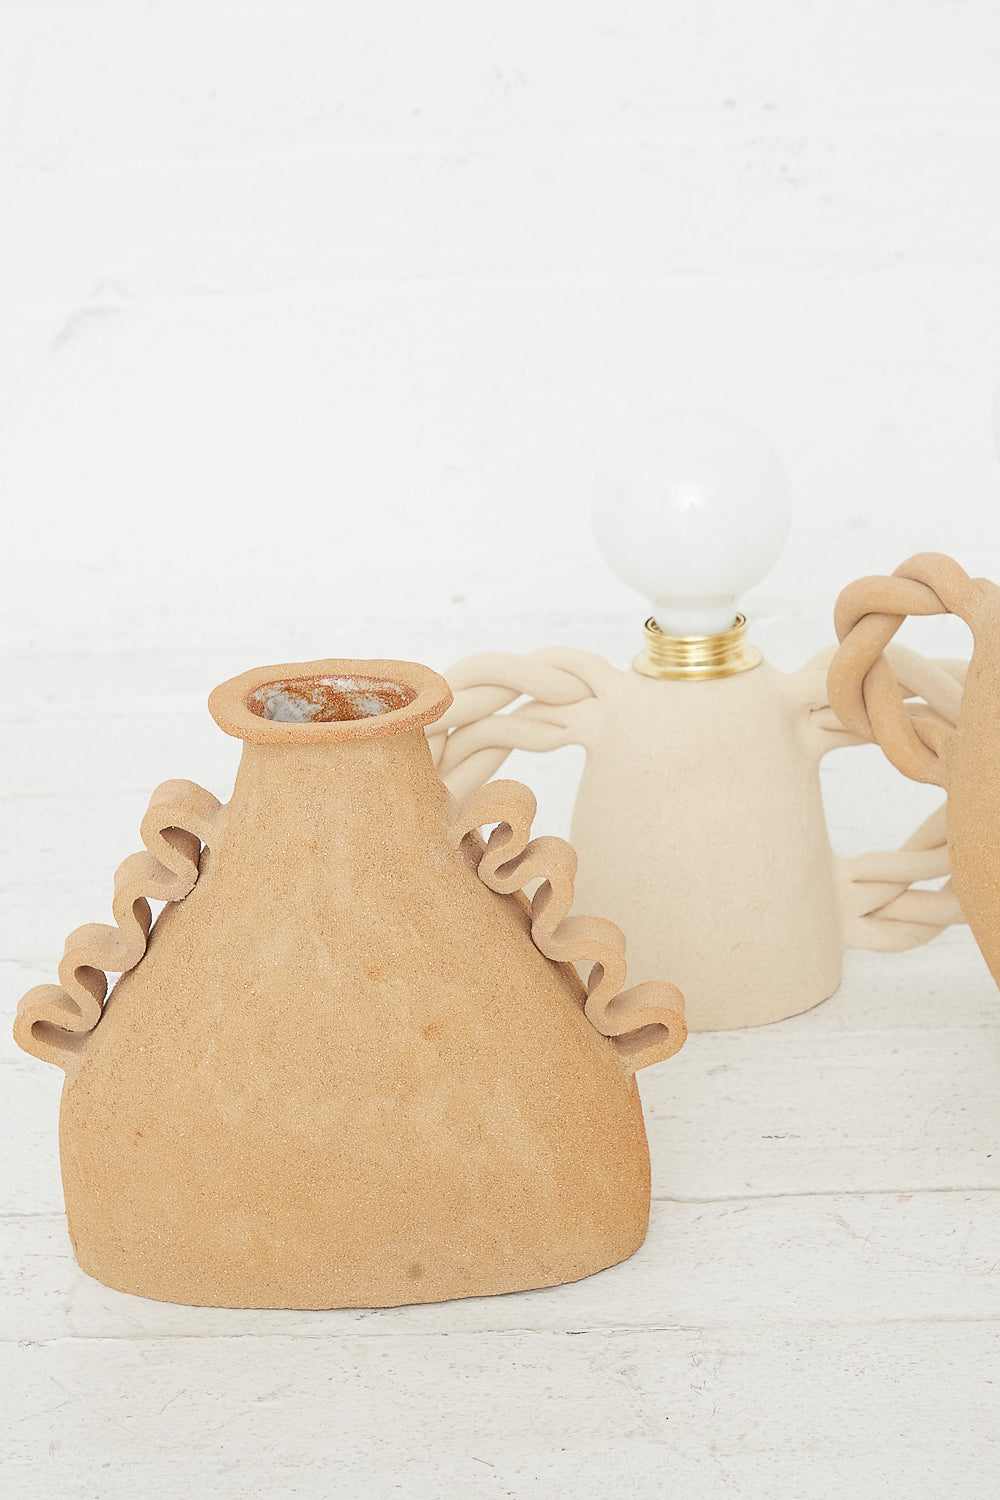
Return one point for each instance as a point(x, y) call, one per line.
point(407, 696)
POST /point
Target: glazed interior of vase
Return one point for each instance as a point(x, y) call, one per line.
point(324, 700)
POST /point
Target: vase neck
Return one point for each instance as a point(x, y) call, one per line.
point(380, 793)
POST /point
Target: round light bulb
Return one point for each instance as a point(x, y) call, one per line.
point(692, 508)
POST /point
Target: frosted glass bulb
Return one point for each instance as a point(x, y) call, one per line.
point(691, 508)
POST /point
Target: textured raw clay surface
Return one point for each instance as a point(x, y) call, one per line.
point(350, 1064)
point(964, 758)
point(699, 821)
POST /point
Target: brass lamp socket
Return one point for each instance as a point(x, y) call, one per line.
point(697, 656)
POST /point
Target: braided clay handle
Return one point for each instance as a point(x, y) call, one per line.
point(963, 758)
point(864, 691)
point(54, 1021)
point(644, 1024)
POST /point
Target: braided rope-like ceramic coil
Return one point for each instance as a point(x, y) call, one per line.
point(54, 1020)
point(865, 692)
point(881, 903)
point(880, 907)
point(644, 1024)
point(471, 741)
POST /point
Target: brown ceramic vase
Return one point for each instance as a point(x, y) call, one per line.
point(350, 1064)
point(963, 758)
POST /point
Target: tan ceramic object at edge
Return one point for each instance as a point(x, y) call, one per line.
point(962, 757)
point(342, 1071)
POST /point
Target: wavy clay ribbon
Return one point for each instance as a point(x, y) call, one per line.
point(644, 1024)
point(54, 1020)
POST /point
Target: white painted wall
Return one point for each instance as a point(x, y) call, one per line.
point(318, 313)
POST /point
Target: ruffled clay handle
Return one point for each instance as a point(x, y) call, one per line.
point(54, 1021)
point(644, 1024)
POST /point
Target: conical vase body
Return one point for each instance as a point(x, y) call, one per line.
point(343, 1074)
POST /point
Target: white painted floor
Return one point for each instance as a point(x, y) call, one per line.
point(815, 1313)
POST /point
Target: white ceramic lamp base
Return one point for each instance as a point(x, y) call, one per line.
point(699, 822)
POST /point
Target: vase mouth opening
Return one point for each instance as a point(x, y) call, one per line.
point(327, 700)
